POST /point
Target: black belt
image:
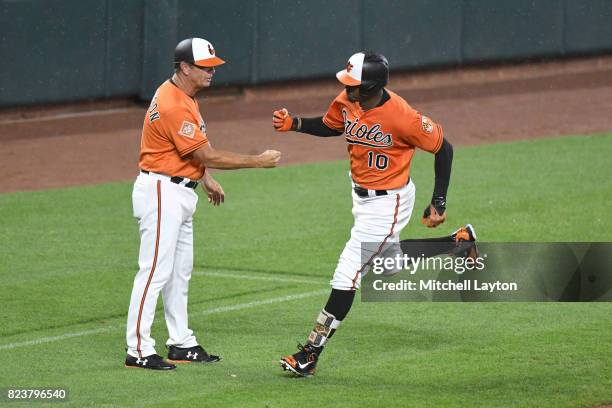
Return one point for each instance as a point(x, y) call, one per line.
point(178, 180)
point(363, 192)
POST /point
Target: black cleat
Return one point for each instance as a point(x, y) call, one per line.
point(304, 362)
point(152, 362)
point(195, 354)
point(465, 238)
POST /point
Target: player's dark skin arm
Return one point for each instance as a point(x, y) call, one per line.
point(313, 126)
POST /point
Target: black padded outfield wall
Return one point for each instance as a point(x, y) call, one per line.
point(70, 50)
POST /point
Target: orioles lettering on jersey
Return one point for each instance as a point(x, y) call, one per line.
point(364, 135)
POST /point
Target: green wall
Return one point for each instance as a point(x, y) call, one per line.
point(68, 50)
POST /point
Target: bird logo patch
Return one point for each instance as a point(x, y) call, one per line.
point(426, 124)
point(187, 129)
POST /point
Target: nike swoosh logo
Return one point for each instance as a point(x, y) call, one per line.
point(303, 366)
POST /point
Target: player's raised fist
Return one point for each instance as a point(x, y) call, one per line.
point(269, 158)
point(282, 120)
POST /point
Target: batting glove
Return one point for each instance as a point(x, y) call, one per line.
point(282, 120)
point(434, 214)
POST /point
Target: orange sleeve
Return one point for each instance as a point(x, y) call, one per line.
point(420, 131)
point(182, 126)
point(333, 118)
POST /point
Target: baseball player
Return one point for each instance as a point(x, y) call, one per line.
point(174, 156)
point(382, 132)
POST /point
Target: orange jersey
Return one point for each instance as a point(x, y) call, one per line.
point(173, 128)
point(382, 140)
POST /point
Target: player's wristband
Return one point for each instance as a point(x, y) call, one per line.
point(439, 204)
point(296, 125)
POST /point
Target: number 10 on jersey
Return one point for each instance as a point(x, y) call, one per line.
point(380, 161)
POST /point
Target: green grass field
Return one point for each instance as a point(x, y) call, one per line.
point(263, 262)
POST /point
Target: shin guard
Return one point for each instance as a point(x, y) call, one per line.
point(325, 326)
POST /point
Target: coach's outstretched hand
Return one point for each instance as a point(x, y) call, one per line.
point(269, 158)
point(282, 120)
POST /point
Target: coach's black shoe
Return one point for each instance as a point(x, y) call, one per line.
point(465, 238)
point(152, 362)
point(304, 362)
point(195, 354)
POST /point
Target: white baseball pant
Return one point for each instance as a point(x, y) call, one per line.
point(378, 219)
point(165, 212)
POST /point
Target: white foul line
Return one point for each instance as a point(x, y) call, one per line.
point(258, 277)
point(260, 302)
point(215, 310)
point(51, 339)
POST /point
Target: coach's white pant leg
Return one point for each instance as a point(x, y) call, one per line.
point(378, 220)
point(175, 293)
point(159, 230)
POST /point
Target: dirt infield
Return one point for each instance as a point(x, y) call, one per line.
point(48, 148)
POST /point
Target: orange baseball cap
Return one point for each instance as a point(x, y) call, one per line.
point(197, 51)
